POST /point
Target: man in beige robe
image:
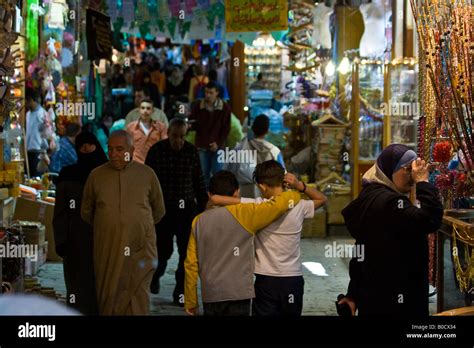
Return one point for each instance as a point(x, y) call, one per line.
point(123, 201)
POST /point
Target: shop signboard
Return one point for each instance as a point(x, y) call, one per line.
point(256, 15)
point(99, 35)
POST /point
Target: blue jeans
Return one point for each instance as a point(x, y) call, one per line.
point(209, 164)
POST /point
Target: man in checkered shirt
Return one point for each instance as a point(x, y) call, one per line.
point(177, 165)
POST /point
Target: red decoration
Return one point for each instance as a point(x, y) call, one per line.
point(442, 152)
point(444, 181)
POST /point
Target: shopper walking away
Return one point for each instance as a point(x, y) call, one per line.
point(265, 151)
point(221, 252)
point(278, 268)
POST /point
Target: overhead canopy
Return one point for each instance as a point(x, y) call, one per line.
point(184, 21)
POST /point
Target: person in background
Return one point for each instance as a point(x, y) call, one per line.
point(128, 99)
point(177, 166)
point(158, 78)
point(236, 132)
point(221, 251)
point(222, 73)
point(278, 268)
point(44, 158)
point(123, 202)
point(145, 132)
point(390, 278)
point(197, 82)
point(223, 93)
point(211, 118)
point(151, 90)
point(188, 75)
point(175, 88)
point(117, 79)
point(134, 115)
point(72, 235)
point(102, 132)
point(265, 151)
point(66, 154)
point(35, 117)
point(259, 84)
point(138, 70)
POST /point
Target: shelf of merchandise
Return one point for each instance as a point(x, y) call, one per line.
point(267, 61)
point(382, 88)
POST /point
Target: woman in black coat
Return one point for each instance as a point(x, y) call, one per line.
point(73, 236)
point(391, 278)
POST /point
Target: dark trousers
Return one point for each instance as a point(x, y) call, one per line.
point(227, 308)
point(33, 160)
point(176, 222)
point(278, 296)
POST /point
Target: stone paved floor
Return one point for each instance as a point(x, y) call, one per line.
point(320, 291)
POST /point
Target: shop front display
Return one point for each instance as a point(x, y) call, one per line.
point(445, 138)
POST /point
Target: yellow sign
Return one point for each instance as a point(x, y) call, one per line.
point(256, 15)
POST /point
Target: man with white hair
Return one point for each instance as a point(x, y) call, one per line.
point(123, 201)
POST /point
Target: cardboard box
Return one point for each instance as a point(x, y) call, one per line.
point(315, 227)
point(335, 205)
point(42, 212)
point(35, 233)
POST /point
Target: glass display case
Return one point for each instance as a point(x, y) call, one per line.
point(384, 110)
point(402, 108)
point(267, 61)
point(371, 93)
point(367, 118)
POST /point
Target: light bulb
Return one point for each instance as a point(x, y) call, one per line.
point(330, 69)
point(270, 42)
point(299, 65)
point(345, 66)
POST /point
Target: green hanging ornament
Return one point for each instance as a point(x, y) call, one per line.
point(172, 26)
point(118, 24)
point(32, 36)
point(185, 28)
point(211, 16)
point(161, 25)
point(144, 29)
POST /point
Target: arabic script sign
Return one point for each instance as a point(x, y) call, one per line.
point(256, 15)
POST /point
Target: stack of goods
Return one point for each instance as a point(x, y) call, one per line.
point(34, 287)
point(338, 192)
point(11, 174)
point(29, 193)
point(13, 266)
point(315, 227)
point(35, 235)
point(328, 145)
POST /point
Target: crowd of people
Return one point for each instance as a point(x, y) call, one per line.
point(154, 173)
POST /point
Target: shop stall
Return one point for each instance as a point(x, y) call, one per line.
point(445, 139)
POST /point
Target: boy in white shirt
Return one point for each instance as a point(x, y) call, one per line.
point(279, 283)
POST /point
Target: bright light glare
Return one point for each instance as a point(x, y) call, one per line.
point(315, 268)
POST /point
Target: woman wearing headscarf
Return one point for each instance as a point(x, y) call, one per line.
point(73, 236)
point(390, 278)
